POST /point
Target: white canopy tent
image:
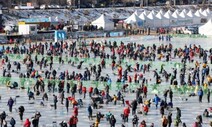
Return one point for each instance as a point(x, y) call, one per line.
point(198, 14)
point(103, 22)
point(208, 11)
point(163, 21)
point(193, 17)
point(184, 19)
point(175, 18)
point(145, 12)
point(185, 11)
point(206, 28)
point(154, 21)
point(200, 10)
point(136, 12)
point(134, 20)
point(204, 13)
point(177, 11)
point(201, 17)
point(161, 12)
point(167, 17)
point(145, 19)
point(169, 11)
point(153, 12)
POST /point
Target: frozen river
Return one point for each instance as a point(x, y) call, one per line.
point(190, 108)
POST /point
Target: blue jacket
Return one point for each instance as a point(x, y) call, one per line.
point(156, 99)
point(200, 93)
point(10, 102)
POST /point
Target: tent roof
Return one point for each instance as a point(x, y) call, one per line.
point(200, 10)
point(197, 13)
point(145, 12)
point(190, 14)
point(143, 16)
point(102, 19)
point(159, 15)
point(183, 15)
point(153, 12)
point(177, 11)
point(136, 12)
point(161, 11)
point(169, 11)
point(208, 10)
point(206, 28)
point(175, 15)
point(167, 15)
point(184, 10)
point(132, 19)
point(151, 16)
point(204, 13)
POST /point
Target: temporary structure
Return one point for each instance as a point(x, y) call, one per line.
point(144, 18)
point(204, 13)
point(185, 11)
point(162, 21)
point(161, 12)
point(167, 17)
point(177, 11)
point(199, 16)
point(153, 12)
point(175, 18)
point(145, 12)
point(206, 28)
point(193, 17)
point(134, 20)
point(154, 21)
point(184, 19)
point(103, 22)
point(136, 12)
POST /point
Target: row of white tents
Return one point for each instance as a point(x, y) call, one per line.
point(159, 19)
point(167, 19)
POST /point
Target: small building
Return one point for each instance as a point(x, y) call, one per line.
point(25, 29)
point(41, 22)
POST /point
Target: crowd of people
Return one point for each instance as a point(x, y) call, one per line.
point(68, 84)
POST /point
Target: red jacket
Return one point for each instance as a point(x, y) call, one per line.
point(73, 120)
point(145, 89)
point(90, 90)
point(84, 89)
point(126, 111)
point(27, 123)
point(75, 111)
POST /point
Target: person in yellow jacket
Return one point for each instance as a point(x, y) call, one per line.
point(96, 124)
point(8, 84)
point(115, 98)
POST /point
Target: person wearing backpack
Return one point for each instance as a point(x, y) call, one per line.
point(12, 122)
point(21, 112)
point(164, 121)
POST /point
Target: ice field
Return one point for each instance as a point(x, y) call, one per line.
point(189, 109)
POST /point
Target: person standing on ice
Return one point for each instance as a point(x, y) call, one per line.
point(200, 94)
point(55, 101)
point(10, 104)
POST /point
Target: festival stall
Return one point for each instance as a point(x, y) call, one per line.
point(104, 23)
point(206, 28)
point(184, 19)
point(134, 21)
